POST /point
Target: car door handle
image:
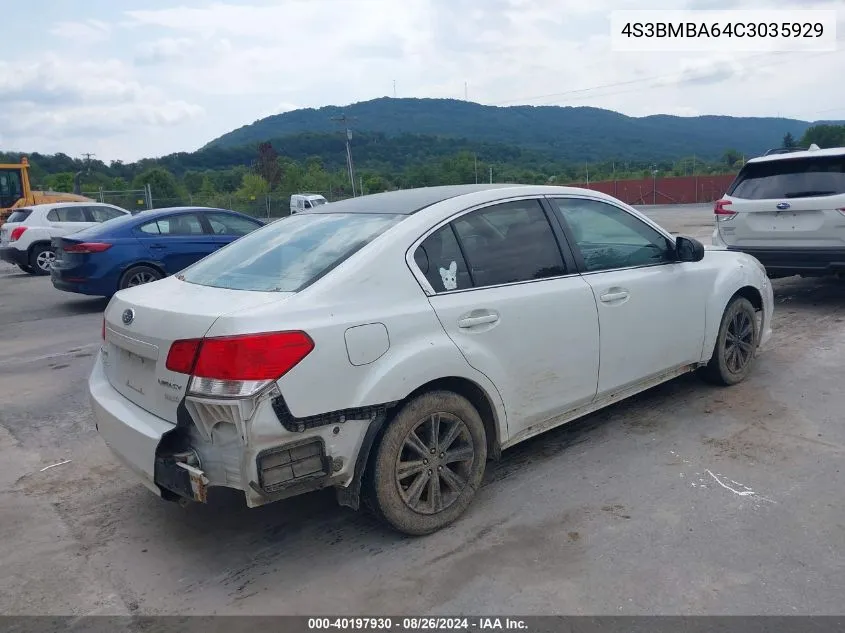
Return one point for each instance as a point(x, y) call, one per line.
point(482, 319)
point(157, 246)
point(609, 297)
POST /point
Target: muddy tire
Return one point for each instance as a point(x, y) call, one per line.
point(41, 259)
point(429, 463)
point(139, 275)
point(736, 345)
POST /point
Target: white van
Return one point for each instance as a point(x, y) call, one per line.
point(305, 202)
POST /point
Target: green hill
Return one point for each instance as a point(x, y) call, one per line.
point(571, 134)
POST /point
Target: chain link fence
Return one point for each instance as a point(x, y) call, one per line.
point(274, 205)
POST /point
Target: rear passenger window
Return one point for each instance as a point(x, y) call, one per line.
point(439, 259)
point(67, 214)
point(101, 214)
point(500, 244)
point(19, 216)
point(509, 242)
point(177, 225)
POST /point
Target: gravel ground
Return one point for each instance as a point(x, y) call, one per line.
point(687, 499)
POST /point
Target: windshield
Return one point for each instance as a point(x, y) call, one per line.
point(289, 254)
point(11, 187)
point(317, 202)
point(795, 178)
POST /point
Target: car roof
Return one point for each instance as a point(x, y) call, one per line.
point(810, 153)
point(53, 205)
point(165, 211)
point(406, 201)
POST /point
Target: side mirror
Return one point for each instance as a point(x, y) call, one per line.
point(689, 249)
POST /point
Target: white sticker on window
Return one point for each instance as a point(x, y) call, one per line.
point(450, 276)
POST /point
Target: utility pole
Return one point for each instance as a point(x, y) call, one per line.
point(77, 178)
point(491, 175)
point(466, 92)
point(476, 169)
point(394, 88)
point(654, 184)
point(344, 120)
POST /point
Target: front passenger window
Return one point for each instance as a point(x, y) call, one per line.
point(609, 237)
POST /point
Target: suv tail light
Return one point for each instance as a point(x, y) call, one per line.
point(16, 233)
point(842, 210)
point(722, 212)
point(104, 328)
point(87, 247)
point(237, 366)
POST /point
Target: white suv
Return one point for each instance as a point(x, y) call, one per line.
point(25, 238)
point(787, 209)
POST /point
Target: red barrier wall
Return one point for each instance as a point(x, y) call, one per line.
point(680, 190)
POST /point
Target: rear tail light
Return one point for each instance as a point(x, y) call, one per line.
point(104, 328)
point(87, 247)
point(722, 211)
point(16, 233)
point(183, 355)
point(842, 211)
point(237, 366)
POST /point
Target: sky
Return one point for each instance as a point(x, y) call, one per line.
point(143, 78)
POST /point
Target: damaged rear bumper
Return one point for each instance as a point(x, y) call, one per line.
point(129, 431)
point(225, 443)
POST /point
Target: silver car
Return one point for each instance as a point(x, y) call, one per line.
point(787, 209)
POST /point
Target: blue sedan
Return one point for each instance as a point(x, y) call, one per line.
point(138, 249)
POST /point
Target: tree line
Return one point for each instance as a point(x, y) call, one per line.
point(241, 177)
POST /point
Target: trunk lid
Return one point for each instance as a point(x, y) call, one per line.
point(141, 324)
point(785, 222)
point(792, 201)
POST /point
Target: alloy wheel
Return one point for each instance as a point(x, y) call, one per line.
point(739, 342)
point(140, 278)
point(435, 463)
point(45, 259)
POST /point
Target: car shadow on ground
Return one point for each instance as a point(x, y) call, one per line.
point(314, 525)
point(89, 305)
point(808, 292)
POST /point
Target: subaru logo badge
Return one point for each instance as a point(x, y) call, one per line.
point(128, 316)
point(783, 205)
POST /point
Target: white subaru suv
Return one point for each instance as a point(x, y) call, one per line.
point(389, 345)
point(26, 237)
point(787, 209)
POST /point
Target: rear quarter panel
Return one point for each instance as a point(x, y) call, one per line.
point(361, 291)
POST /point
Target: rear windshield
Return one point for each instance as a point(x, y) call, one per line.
point(796, 178)
point(20, 215)
point(289, 254)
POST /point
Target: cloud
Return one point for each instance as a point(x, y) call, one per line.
point(279, 108)
point(56, 81)
point(162, 50)
point(170, 78)
point(67, 98)
point(83, 32)
point(99, 120)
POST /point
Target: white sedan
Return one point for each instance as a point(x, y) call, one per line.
point(389, 345)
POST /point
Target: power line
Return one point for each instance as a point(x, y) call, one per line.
point(642, 80)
